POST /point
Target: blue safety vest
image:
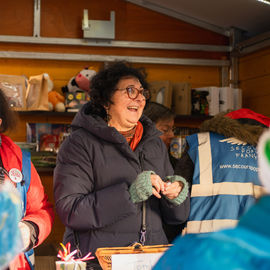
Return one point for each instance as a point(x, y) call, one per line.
point(225, 181)
point(23, 187)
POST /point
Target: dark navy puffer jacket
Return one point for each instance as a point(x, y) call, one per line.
point(94, 170)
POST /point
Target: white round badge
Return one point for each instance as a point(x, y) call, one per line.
point(15, 175)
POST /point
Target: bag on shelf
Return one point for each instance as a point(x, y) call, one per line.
point(37, 92)
point(14, 87)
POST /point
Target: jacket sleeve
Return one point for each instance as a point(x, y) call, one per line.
point(38, 209)
point(171, 213)
point(79, 204)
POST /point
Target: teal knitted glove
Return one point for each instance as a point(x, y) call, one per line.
point(141, 189)
point(184, 192)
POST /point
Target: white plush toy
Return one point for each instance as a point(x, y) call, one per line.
point(80, 82)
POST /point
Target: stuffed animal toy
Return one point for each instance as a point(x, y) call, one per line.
point(56, 101)
point(81, 82)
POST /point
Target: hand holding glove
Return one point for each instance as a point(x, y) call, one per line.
point(176, 190)
point(148, 183)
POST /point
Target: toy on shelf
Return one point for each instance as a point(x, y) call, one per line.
point(56, 101)
point(77, 90)
point(80, 82)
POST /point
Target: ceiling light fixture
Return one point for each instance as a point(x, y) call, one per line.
point(265, 1)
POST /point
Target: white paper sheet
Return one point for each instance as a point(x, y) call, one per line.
point(141, 261)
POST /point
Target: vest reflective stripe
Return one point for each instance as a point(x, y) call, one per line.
point(206, 226)
point(229, 188)
point(204, 149)
point(259, 191)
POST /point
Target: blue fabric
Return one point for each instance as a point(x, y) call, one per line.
point(219, 207)
point(244, 247)
point(26, 172)
point(240, 160)
point(230, 163)
point(26, 168)
point(23, 188)
point(10, 215)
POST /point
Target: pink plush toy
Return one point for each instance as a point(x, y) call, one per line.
point(81, 82)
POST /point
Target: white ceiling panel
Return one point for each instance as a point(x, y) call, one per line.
point(251, 16)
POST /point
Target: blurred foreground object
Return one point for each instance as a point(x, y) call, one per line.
point(10, 215)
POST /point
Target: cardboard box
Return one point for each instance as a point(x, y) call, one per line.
point(226, 99)
point(181, 101)
point(161, 92)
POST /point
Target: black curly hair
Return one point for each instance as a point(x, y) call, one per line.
point(8, 116)
point(103, 84)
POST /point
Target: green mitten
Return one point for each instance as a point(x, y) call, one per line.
point(184, 192)
point(141, 189)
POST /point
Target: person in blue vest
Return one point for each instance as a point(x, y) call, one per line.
point(220, 163)
point(244, 247)
point(15, 167)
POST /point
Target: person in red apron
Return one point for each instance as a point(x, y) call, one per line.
point(37, 215)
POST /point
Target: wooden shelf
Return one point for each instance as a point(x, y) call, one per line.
point(47, 113)
point(46, 117)
point(190, 121)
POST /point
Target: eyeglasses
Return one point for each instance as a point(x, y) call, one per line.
point(167, 130)
point(133, 92)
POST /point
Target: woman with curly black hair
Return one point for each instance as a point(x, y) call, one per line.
point(114, 166)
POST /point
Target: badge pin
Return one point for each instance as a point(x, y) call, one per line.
point(15, 175)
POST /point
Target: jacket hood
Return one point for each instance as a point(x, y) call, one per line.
point(96, 125)
point(229, 127)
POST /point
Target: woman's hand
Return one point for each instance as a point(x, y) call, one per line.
point(172, 190)
point(158, 185)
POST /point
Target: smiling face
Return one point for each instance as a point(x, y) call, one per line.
point(125, 112)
